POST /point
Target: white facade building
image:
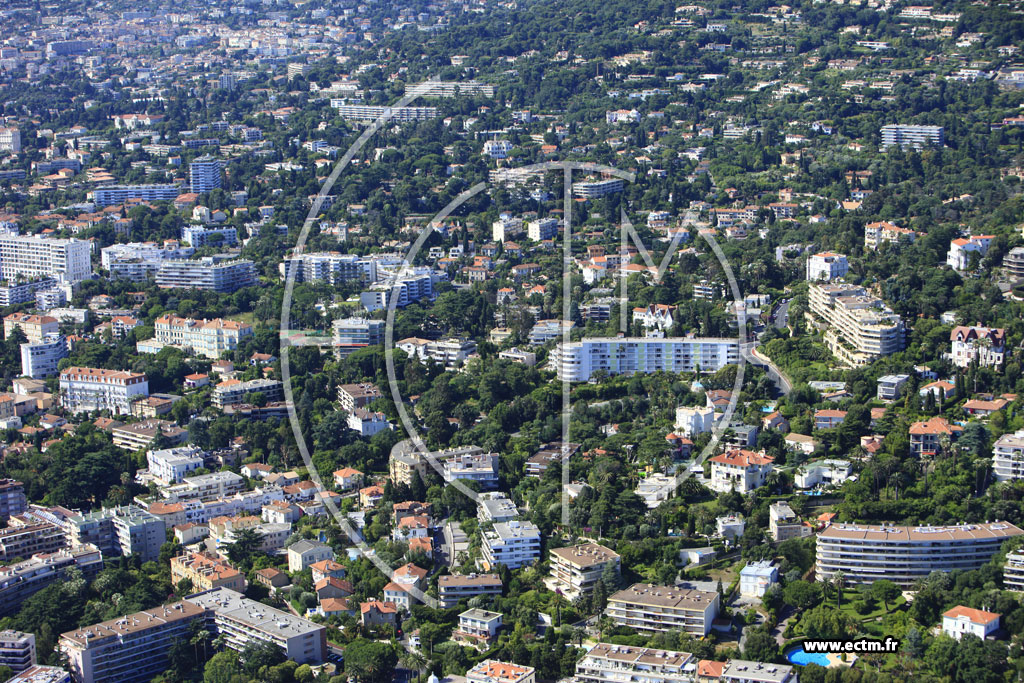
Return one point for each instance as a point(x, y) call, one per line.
point(827, 266)
point(87, 389)
point(1008, 456)
point(171, 465)
point(40, 359)
point(514, 544)
point(578, 361)
point(691, 421)
point(32, 257)
point(608, 663)
point(961, 621)
point(986, 345)
point(960, 250)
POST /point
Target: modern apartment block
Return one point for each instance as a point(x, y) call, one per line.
point(170, 465)
point(577, 569)
point(860, 327)
point(593, 189)
point(1008, 456)
point(904, 554)
point(608, 663)
point(17, 650)
point(479, 467)
point(86, 389)
point(652, 609)
point(224, 276)
point(742, 671)
point(131, 648)
point(984, 345)
point(369, 113)
point(514, 544)
point(352, 334)
point(127, 530)
point(29, 256)
point(207, 338)
point(827, 266)
point(204, 235)
point(403, 466)
point(454, 587)
point(232, 391)
point(112, 195)
point(352, 396)
point(12, 293)
point(783, 523)
point(204, 175)
point(241, 621)
point(12, 498)
point(578, 361)
point(10, 140)
point(912, 136)
point(336, 268)
point(20, 581)
point(28, 539)
point(40, 359)
point(1013, 572)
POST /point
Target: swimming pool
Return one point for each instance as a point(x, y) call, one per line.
point(800, 658)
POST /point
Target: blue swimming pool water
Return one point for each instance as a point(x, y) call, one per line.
point(799, 657)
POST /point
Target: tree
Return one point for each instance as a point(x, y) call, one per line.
point(885, 591)
point(760, 645)
point(369, 661)
point(802, 594)
point(223, 667)
point(245, 547)
point(258, 654)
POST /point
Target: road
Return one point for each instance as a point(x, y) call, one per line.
point(774, 373)
point(780, 316)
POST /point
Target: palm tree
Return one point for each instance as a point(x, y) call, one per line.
point(839, 579)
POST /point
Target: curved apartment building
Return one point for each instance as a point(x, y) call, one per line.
point(903, 554)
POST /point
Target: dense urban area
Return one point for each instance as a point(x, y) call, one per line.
point(511, 341)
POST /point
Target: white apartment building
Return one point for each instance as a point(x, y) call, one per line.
point(742, 671)
point(10, 140)
point(652, 609)
point(352, 334)
point(207, 338)
point(450, 353)
point(578, 361)
point(506, 228)
point(171, 465)
point(739, 470)
point(1013, 572)
point(203, 235)
point(986, 345)
point(691, 421)
point(757, 577)
point(1008, 456)
point(830, 472)
point(912, 136)
point(655, 316)
point(17, 650)
point(29, 256)
point(204, 175)
point(608, 663)
point(961, 621)
point(454, 587)
point(514, 544)
point(577, 569)
point(370, 113)
point(827, 266)
point(86, 389)
point(233, 391)
point(960, 250)
point(543, 229)
point(496, 507)
point(593, 189)
point(783, 523)
point(867, 553)
point(860, 327)
point(478, 627)
point(497, 149)
point(40, 359)
point(479, 467)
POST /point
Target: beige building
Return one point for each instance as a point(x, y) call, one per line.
point(651, 609)
point(609, 663)
point(35, 327)
point(493, 671)
point(903, 554)
point(206, 572)
point(207, 338)
point(859, 327)
point(577, 569)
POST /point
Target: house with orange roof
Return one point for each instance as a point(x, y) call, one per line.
point(961, 620)
point(942, 389)
point(377, 613)
point(335, 607)
point(828, 419)
point(740, 470)
point(326, 568)
point(493, 671)
point(348, 478)
point(370, 496)
point(926, 438)
point(709, 671)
